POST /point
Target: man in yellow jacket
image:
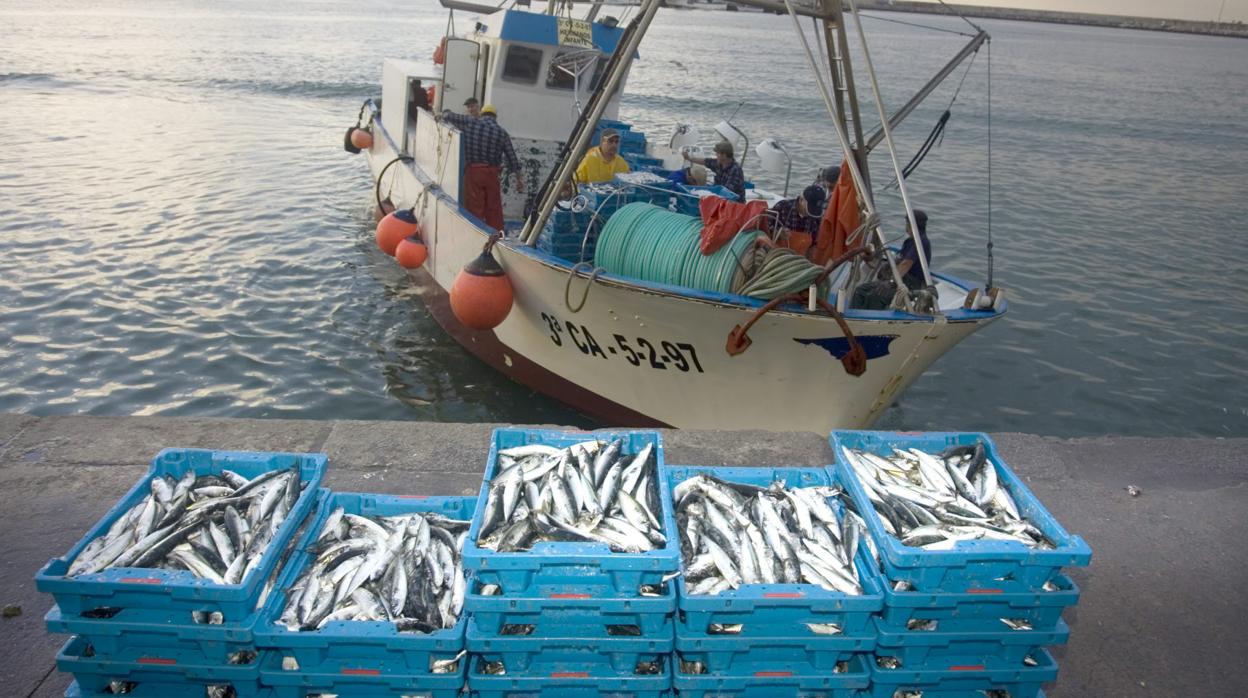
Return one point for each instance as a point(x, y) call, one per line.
point(603, 163)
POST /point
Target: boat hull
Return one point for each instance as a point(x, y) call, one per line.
point(647, 355)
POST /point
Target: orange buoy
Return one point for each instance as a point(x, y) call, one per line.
point(411, 252)
point(394, 228)
point(481, 295)
point(432, 94)
point(361, 139)
point(439, 53)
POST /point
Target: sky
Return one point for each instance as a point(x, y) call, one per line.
point(1200, 10)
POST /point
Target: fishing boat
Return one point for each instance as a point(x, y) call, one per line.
point(619, 347)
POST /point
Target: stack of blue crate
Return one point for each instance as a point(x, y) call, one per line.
point(572, 233)
point(569, 619)
point(160, 632)
point(973, 618)
point(371, 659)
point(774, 639)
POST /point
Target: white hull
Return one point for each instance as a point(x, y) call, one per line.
point(780, 383)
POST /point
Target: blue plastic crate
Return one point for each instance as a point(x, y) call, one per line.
point(573, 566)
point(764, 683)
point(978, 611)
point(574, 650)
point(728, 654)
point(167, 690)
point(360, 683)
point(360, 645)
point(918, 649)
point(175, 594)
point(119, 636)
point(1020, 682)
point(553, 610)
point(94, 673)
point(570, 682)
point(977, 564)
point(774, 610)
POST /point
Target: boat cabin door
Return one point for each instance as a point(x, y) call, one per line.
point(465, 60)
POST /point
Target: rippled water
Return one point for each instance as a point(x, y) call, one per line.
point(182, 234)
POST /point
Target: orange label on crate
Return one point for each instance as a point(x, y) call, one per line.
point(772, 674)
point(784, 595)
point(570, 675)
point(362, 672)
point(967, 667)
point(157, 660)
point(140, 580)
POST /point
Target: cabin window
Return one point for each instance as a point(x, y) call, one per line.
point(559, 75)
point(522, 64)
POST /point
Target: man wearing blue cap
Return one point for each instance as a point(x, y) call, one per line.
point(797, 220)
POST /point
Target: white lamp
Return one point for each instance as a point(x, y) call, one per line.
point(776, 159)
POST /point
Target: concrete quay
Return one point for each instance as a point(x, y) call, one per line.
point(1161, 613)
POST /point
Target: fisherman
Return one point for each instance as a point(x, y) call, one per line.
point(486, 146)
point(473, 107)
point(828, 177)
point(692, 175)
point(797, 219)
point(878, 294)
point(603, 163)
point(728, 173)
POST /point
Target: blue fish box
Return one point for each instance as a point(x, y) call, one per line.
point(364, 683)
point(775, 610)
point(578, 567)
point(594, 681)
point(953, 651)
point(981, 565)
point(771, 684)
point(119, 636)
point(359, 648)
point(977, 610)
point(1021, 682)
point(174, 594)
point(94, 673)
point(551, 611)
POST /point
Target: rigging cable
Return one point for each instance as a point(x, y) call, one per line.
point(937, 135)
point(974, 26)
point(915, 24)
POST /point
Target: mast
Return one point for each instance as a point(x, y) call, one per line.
point(837, 46)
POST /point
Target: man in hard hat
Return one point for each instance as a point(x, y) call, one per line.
point(727, 171)
point(486, 146)
point(603, 163)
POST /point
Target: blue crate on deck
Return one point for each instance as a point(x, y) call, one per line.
point(360, 647)
point(552, 609)
point(978, 611)
point(572, 682)
point(979, 564)
point(689, 203)
point(774, 610)
point(166, 668)
point(118, 636)
point(575, 649)
point(1021, 682)
point(919, 649)
point(762, 683)
point(362, 683)
point(174, 594)
point(572, 567)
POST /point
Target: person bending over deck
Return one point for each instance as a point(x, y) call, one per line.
point(797, 219)
point(486, 146)
point(728, 173)
point(603, 163)
point(878, 294)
